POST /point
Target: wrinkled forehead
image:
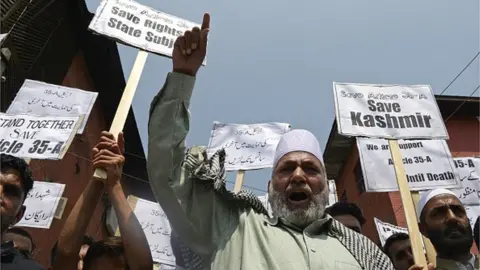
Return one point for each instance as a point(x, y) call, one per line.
point(441, 200)
point(299, 157)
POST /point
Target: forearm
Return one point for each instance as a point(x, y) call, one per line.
point(137, 250)
point(168, 127)
point(71, 236)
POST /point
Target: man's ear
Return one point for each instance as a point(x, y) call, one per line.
point(20, 214)
point(268, 186)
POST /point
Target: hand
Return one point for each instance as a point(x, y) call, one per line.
point(190, 49)
point(420, 267)
point(108, 154)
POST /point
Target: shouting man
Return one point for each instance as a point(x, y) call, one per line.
point(444, 221)
point(234, 231)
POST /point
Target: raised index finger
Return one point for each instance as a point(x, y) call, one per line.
point(206, 21)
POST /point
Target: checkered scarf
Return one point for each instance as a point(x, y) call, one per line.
point(212, 172)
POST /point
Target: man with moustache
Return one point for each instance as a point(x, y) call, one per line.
point(444, 221)
point(234, 231)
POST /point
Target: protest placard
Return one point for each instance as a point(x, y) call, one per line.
point(385, 230)
point(473, 212)
point(139, 26)
point(37, 137)
point(2, 38)
point(428, 165)
point(266, 203)
point(157, 229)
point(41, 98)
point(388, 111)
point(391, 112)
point(41, 204)
point(247, 147)
point(469, 172)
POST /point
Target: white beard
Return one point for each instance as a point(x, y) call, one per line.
point(299, 217)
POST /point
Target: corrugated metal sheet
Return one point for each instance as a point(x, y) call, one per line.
point(30, 24)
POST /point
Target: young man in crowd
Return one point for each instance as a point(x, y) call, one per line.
point(86, 243)
point(131, 250)
point(349, 214)
point(444, 221)
point(21, 239)
point(399, 250)
point(16, 181)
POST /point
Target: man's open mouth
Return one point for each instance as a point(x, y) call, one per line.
point(298, 197)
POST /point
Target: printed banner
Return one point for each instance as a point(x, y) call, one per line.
point(248, 147)
point(139, 26)
point(41, 98)
point(37, 137)
point(388, 111)
point(469, 172)
point(157, 229)
point(428, 165)
point(41, 204)
point(385, 230)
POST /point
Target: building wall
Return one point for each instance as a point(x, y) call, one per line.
point(464, 142)
point(373, 204)
point(75, 170)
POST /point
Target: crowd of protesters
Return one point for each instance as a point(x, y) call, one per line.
point(214, 228)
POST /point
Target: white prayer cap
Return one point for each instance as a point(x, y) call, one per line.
point(427, 196)
point(297, 140)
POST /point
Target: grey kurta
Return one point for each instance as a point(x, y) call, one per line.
point(227, 235)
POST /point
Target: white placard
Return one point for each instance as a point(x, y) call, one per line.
point(41, 98)
point(41, 204)
point(139, 26)
point(428, 165)
point(388, 111)
point(332, 192)
point(37, 137)
point(469, 172)
point(473, 212)
point(157, 229)
point(266, 204)
point(2, 37)
point(248, 147)
point(385, 230)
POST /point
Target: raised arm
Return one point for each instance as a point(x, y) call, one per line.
point(108, 154)
point(190, 207)
point(71, 236)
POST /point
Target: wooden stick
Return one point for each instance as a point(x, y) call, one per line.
point(431, 253)
point(239, 181)
point(125, 103)
point(413, 230)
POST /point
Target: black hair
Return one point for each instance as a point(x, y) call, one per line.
point(476, 232)
point(21, 166)
point(87, 240)
point(346, 208)
point(22, 232)
point(392, 239)
point(112, 247)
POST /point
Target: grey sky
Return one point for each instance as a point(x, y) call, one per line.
point(276, 60)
